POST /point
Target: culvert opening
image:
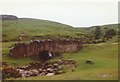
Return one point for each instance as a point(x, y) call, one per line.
point(45, 55)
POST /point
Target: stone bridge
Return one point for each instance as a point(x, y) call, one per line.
point(43, 48)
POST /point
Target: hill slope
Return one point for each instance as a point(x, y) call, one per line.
point(28, 28)
point(103, 27)
point(35, 28)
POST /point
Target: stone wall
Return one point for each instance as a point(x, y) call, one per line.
point(34, 48)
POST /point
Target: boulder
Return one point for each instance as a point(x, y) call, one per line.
point(49, 70)
point(40, 70)
point(50, 74)
point(89, 61)
point(35, 71)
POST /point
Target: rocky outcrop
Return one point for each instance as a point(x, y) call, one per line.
point(38, 69)
point(45, 47)
point(8, 17)
point(47, 68)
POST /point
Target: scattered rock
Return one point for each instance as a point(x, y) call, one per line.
point(104, 75)
point(42, 74)
point(40, 70)
point(35, 72)
point(49, 70)
point(45, 68)
point(50, 74)
point(89, 61)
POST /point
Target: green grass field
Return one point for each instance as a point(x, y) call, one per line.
point(105, 56)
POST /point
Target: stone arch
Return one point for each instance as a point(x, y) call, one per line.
point(45, 55)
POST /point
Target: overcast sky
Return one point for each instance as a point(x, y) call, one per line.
point(78, 13)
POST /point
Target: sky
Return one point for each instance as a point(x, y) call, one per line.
point(77, 13)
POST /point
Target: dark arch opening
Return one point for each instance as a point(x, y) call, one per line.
point(45, 55)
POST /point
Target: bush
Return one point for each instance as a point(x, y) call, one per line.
point(109, 33)
point(9, 72)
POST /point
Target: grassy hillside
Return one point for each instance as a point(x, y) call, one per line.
point(91, 31)
point(42, 29)
point(103, 27)
point(104, 55)
point(36, 28)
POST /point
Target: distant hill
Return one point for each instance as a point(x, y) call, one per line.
point(103, 27)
